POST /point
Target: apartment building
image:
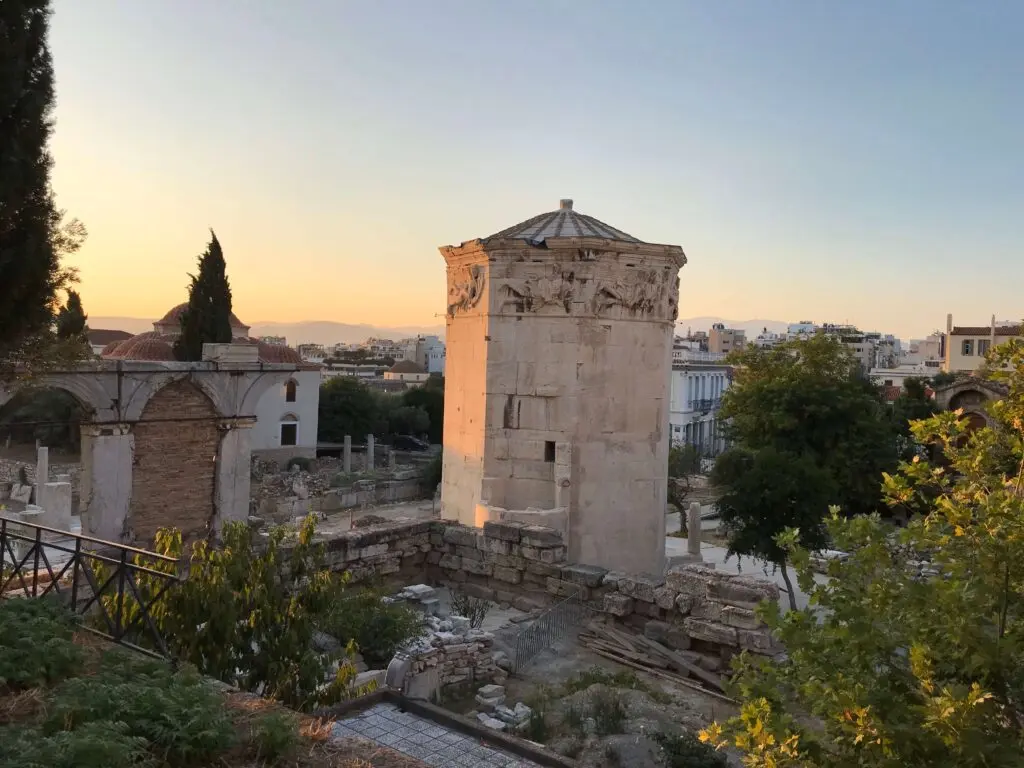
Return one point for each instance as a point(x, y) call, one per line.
point(967, 345)
point(722, 340)
point(698, 381)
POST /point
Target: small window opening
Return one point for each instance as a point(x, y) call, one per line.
point(549, 451)
point(289, 391)
point(289, 434)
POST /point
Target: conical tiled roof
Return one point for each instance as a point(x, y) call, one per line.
point(565, 222)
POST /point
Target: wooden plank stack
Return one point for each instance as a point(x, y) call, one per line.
point(633, 650)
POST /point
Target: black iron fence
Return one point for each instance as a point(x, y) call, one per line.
point(96, 579)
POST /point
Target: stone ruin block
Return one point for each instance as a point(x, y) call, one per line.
point(742, 592)
point(511, 575)
point(545, 570)
point(691, 579)
point(698, 629)
point(505, 561)
point(706, 610)
point(540, 537)
point(505, 531)
point(496, 546)
point(758, 641)
point(450, 562)
point(478, 567)
point(561, 588)
point(665, 598)
point(478, 591)
point(460, 535)
point(741, 618)
point(617, 604)
point(469, 553)
point(639, 587)
point(585, 575)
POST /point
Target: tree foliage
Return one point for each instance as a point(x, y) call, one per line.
point(33, 234)
point(912, 653)
point(683, 464)
point(350, 407)
point(207, 318)
point(71, 319)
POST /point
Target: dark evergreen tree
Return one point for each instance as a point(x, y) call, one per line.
point(30, 272)
point(71, 320)
point(207, 319)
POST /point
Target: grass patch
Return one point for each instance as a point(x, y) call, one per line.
point(608, 712)
point(623, 678)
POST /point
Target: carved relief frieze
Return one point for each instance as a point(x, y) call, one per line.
point(465, 287)
point(530, 294)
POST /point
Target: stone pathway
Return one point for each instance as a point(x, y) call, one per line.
point(434, 744)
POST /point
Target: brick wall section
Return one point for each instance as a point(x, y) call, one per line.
point(693, 607)
point(174, 469)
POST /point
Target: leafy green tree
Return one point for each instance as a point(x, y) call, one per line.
point(912, 405)
point(912, 653)
point(71, 319)
point(347, 407)
point(430, 398)
point(408, 420)
point(683, 464)
point(33, 237)
point(207, 318)
point(767, 492)
point(808, 398)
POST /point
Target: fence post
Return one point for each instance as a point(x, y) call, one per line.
point(76, 563)
point(35, 562)
point(121, 569)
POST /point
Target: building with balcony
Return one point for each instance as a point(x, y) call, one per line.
point(698, 381)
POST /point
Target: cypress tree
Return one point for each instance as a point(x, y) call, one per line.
point(30, 271)
point(71, 320)
point(207, 318)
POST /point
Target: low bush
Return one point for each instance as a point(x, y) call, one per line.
point(473, 608)
point(378, 629)
point(274, 737)
point(93, 745)
point(685, 750)
point(608, 712)
point(35, 643)
point(178, 714)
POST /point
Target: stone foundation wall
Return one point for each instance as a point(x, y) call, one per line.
point(9, 469)
point(693, 607)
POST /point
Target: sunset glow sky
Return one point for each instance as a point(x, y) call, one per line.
point(828, 161)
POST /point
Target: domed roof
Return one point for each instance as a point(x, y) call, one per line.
point(278, 353)
point(109, 349)
point(145, 346)
point(173, 317)
point(565, 222)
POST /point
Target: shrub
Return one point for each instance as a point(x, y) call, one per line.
point(432, 473)
point(93, 745)
point(303, 463)
point(247, 616)
point(473, 608)
point(378, 629)
point(275, 736)
point(537, 728)
point(179, 714)
point(685, 750)
point(35, 643)
point(608, 712)
point(573, 720)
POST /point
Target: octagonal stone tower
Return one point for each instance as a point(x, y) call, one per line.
point(559, 349)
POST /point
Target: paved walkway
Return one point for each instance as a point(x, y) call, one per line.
point(434, 744)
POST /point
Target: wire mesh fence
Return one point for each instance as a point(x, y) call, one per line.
point(552, 626)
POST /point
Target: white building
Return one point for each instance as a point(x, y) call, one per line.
point(894, 377)
point(408, 372)
point(931, 349)
point(698, 381)
point(427, 352)
point(286, 416)
point(767, 339)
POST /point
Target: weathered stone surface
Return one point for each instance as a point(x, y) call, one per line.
point(651, 610)
point(617, 604)
point(497, 546)
point(587, 575)
point(611, 579)
point(511, 575)
point(699, 629)
point(742, 592)
point(543, 569)
point(505, 561)
point(656, 630)
point(478, 567)
point(684, 603)
point(553, 555)
point(639, 587)
point(477, 590)
point(506, 531)
point(491, 691)
point(460, 535)
point(691, 579)
point(665, 597)
point(524, 603)
point(567, 589)
point(708, 610)
point(741, 618)
point(450, 562)
point(677, 638)
point(469, 553)
point(757, 641)
point(540, 536)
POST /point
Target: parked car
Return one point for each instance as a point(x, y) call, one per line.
point(409, 443)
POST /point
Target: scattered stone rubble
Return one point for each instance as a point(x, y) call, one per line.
point(495, 714)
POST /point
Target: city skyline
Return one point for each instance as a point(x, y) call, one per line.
point(828, 163)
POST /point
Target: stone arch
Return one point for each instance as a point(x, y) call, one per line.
point(174, 467)
point(967, 398)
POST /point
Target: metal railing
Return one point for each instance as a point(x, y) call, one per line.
point(550, 627)
point(94, 577)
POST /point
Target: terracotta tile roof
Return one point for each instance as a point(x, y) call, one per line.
point(891, 394)
point(406, 366)
point(985, 330)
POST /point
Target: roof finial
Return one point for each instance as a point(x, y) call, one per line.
point(565, 204)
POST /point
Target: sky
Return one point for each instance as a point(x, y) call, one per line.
point(830, 161)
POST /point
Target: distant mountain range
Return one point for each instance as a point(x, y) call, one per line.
point(327, 332)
